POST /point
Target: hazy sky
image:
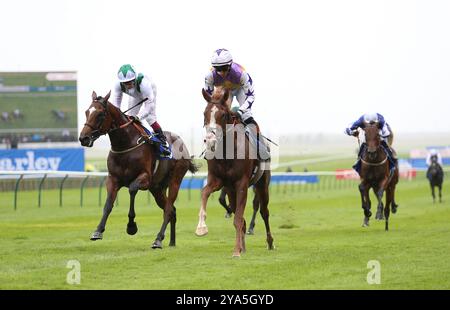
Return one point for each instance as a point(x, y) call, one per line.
point(316, 65)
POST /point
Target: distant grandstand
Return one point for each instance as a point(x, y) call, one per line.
point(37, 107)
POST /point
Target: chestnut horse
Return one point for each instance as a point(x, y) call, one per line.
point(234, 173)
point(375, 174)
point(133, 163)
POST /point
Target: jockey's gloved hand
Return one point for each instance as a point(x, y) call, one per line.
point(134, 118)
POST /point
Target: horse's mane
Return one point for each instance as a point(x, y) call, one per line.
point(111, 107)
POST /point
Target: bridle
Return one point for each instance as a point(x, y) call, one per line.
point(367, 151)
point(97, 132)
point(230, 128)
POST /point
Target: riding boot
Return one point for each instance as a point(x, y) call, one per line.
point(263, 150)
point(164, 147)
point(391, 157)
point(357, 165)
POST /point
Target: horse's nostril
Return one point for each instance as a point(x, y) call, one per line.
point(84, 140)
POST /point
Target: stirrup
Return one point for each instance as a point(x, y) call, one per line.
point(165, 155)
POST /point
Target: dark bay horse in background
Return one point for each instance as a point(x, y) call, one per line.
point(234, 174)
point(223, 203)
point(375, 174)
point(133, 163)
point(435, 175)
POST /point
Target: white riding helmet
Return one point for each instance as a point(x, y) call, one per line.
point(371, 118)
point(221, 57)
point(126, 73)
point(433, 152)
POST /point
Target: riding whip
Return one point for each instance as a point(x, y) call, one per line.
point(268, 139)
point(140, 102)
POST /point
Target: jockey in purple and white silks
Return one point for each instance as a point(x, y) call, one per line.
point(385, 133)
point(232, 76)
point(139, 87)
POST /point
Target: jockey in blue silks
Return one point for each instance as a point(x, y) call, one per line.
point(385, 134)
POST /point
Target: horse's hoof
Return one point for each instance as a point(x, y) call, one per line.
point(227, 215)
point(365, 222)
point(157, 245)
point(132, 229)
point(369, 214)
point(394, 210)
point(201, 231)
point(172, 244)
point(271, 247)
point(96, 236)
point(250, 231)
point(379, 216)
point(236, 255)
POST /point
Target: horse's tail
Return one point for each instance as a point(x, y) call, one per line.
point(192, 166)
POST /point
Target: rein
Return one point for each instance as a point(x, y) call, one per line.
point(129, 149)
point(117, 128)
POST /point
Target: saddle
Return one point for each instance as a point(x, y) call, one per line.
point(151, 138)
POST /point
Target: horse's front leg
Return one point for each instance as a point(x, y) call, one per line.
point(432, 192)
point(239, 221)
point(211, 186)
point(223, 202)
point(256, 203)
point(112, 187)
point(440, 193)
point(379, 191)
point(140, 183)
point(365, 202)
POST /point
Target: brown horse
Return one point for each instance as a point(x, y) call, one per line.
point(375, 174)
point(435, 175)
point(234, 173)
point(133, 163)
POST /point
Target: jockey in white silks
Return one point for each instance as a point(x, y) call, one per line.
point(385, 134)
point(139, 87)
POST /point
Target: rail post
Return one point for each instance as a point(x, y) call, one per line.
point(82, 189)
point(100, 187)
point(16, 189)
point(40, 190)
point(61, 189)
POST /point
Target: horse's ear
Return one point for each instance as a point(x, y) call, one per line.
point(94, 95)
point(206, 95)
point(107, 96)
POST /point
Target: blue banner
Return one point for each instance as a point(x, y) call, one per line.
point(199, 182)
point(421, 162)
point(68, 159)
